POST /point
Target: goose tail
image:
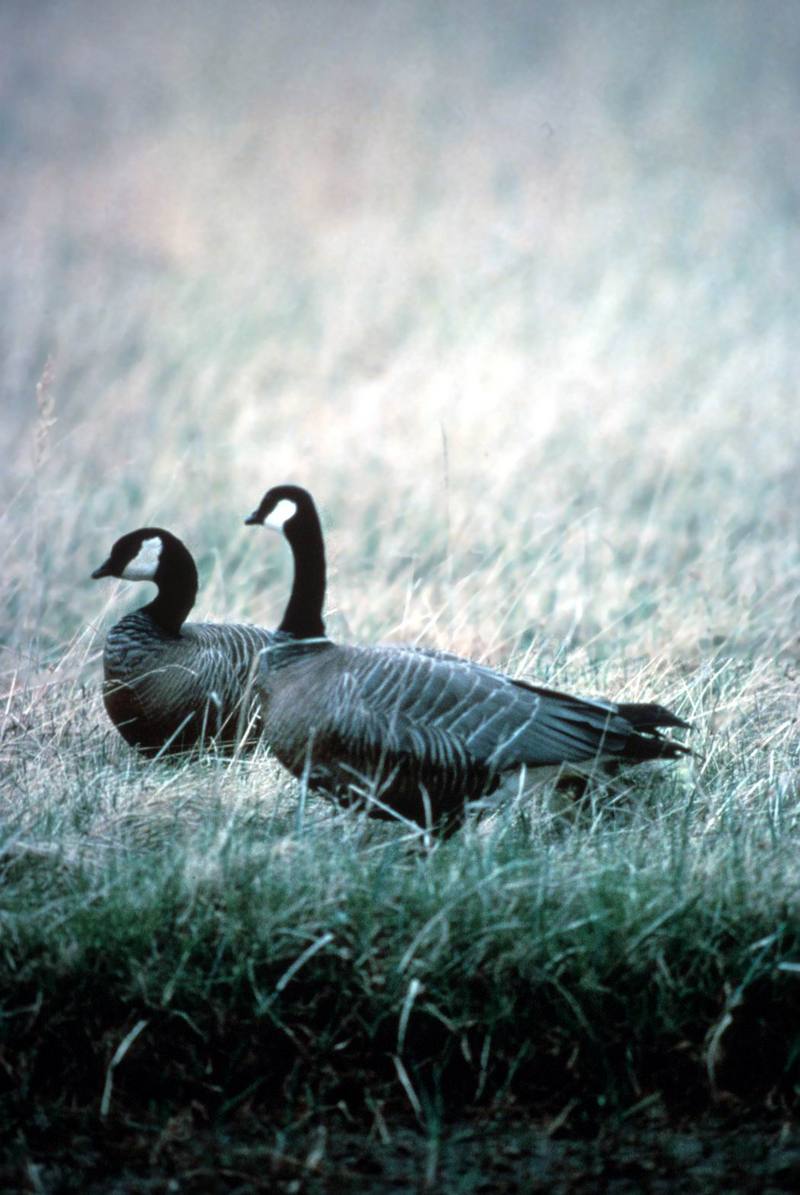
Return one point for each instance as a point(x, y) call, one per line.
point(647, 720)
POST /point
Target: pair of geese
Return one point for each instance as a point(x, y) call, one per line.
point(404, 732)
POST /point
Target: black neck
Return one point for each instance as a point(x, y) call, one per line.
point(177, 590)
point(303, 616)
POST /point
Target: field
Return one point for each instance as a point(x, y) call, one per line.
point(512, 288)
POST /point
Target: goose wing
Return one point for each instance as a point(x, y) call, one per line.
point(169, 685)
point(439, 707)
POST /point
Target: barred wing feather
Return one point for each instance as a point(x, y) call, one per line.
point(434, 704)
point(164, 691)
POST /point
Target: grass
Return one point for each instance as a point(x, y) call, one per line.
point(511, 296)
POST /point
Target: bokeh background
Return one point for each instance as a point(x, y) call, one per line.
point(511, 286)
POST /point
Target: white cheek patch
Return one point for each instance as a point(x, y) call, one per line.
point(277, 518)
point(145, 563)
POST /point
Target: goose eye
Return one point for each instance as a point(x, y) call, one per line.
point(144, 565)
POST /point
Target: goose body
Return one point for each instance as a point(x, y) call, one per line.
point(170, 685)
point(412, 732)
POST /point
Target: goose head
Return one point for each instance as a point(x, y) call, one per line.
point(138, 556)
point(283, 509)
point(153, 554)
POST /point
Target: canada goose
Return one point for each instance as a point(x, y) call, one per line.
point(169, 684)
point(409, 731)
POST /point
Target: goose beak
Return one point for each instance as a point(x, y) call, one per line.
point(253, 520)
point(103, 571)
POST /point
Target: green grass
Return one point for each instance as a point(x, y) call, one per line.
point(511, 296)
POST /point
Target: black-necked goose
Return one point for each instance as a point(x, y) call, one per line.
point(412, 732)
point(170, 685)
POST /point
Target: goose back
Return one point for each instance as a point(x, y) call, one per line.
point(419, 733)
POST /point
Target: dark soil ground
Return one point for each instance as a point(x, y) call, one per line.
point(713, 1153)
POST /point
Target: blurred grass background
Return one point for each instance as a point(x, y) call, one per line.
point(509, 286)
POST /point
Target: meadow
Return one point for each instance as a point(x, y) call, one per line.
point(512, 289)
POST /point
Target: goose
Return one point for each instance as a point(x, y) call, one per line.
point(413, 732)
point(170, 684)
